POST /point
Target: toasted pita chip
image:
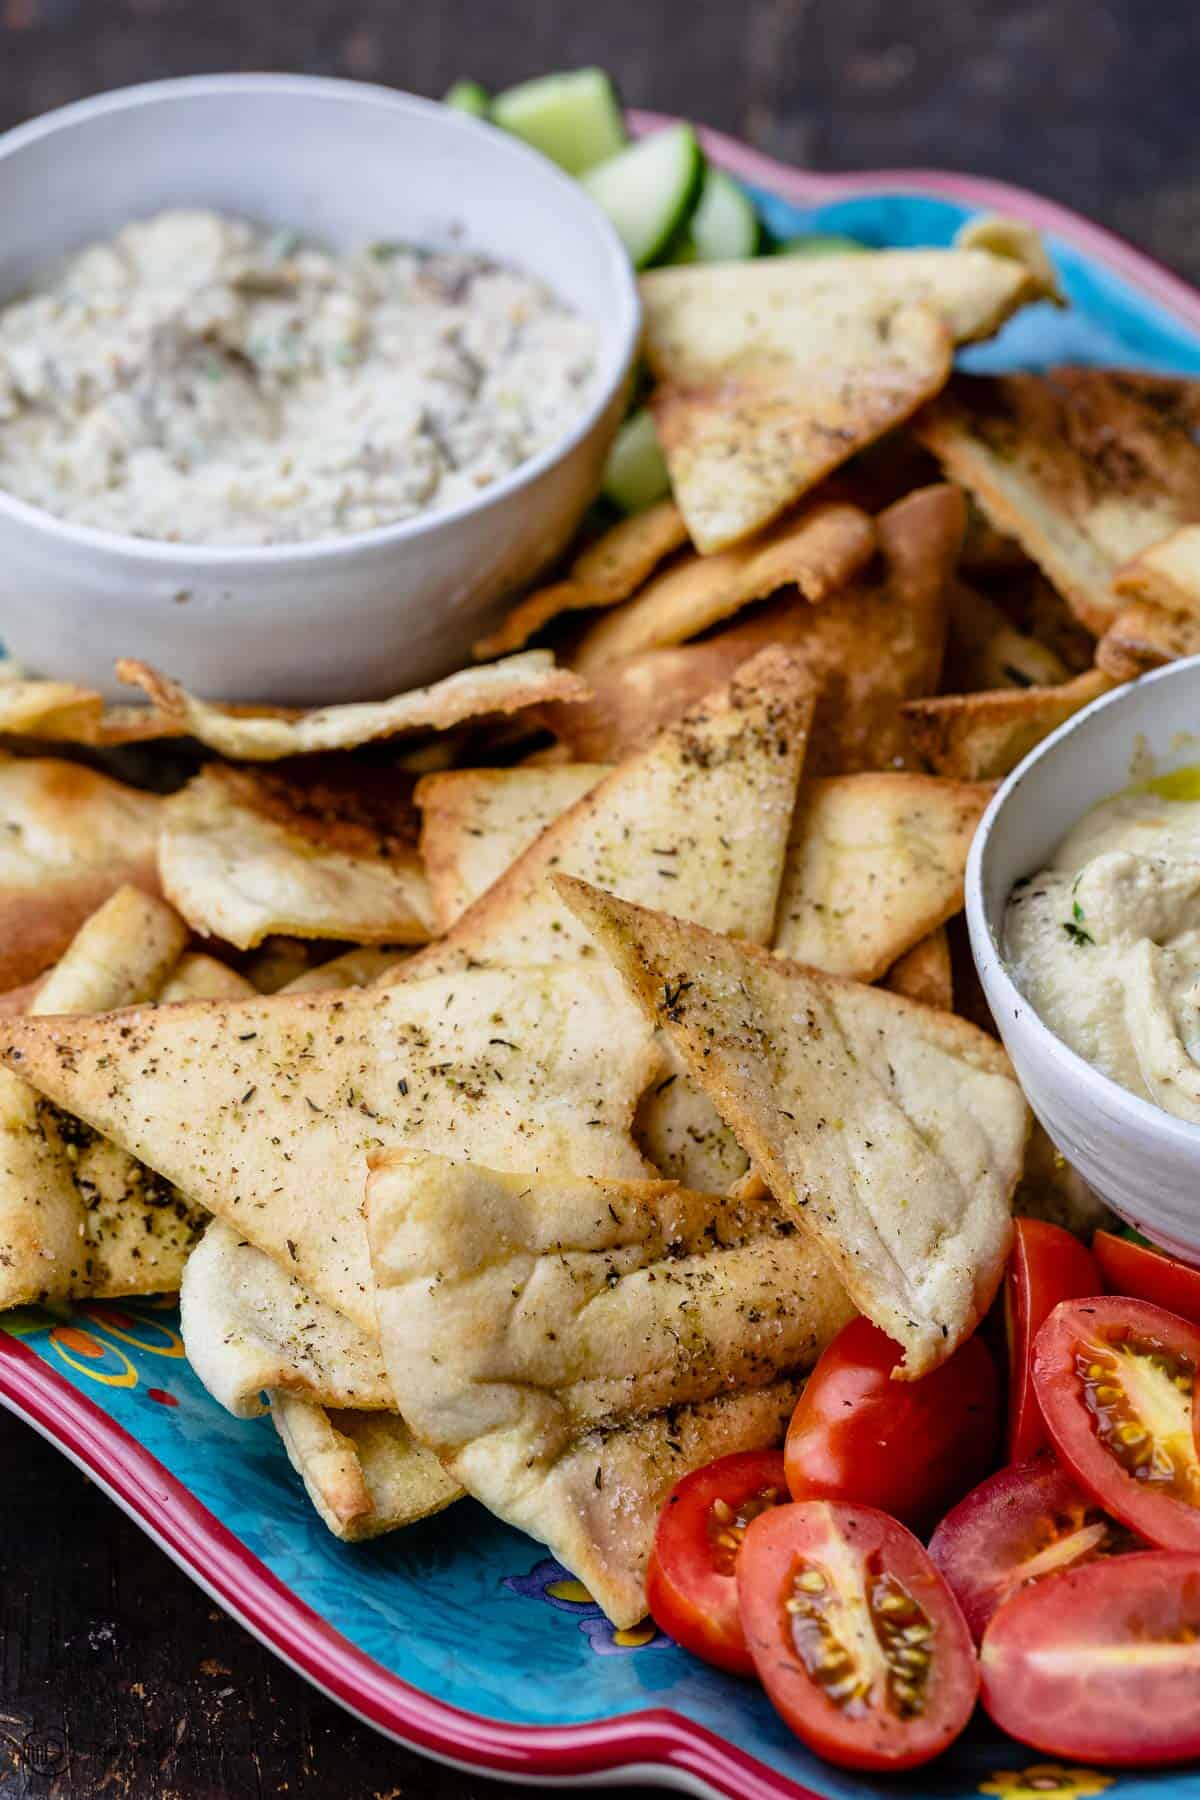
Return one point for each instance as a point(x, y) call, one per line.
point(61, 712)
point(772, 373)
point(122, 954)
point(817, 551)
point(353, 969)
point(199, 977)
point(897, 1132)
point(865, 650)
point(1168, 573)
point(243, 856)
point(925, 973)
point(874, 863)
point(987, 651)
point(981, 737)
point(1004, 236)
point(609, 570)
point(1085, 467)
point(264, 1111)
point(69, 838)
point(1146, 636)
point(680, 1131)
point(248, 1327)
point(363, 1472)
point(268, 733)
point(547, 1335)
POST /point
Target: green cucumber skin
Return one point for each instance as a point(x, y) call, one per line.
point(526, 109)
point(469, 97)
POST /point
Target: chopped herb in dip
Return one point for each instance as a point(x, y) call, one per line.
point(202, 380)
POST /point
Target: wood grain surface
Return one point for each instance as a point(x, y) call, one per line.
point(117, 1677)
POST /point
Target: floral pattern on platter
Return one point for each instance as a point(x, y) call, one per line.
point(550, 1582)
point(1046, 1778)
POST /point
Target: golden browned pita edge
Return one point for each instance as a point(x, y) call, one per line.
point(197, 976)
point(1087, 468)
point(363, 1472)
point(1146, 636)
point(773, 374)
point(571, 1348)
point(874, 863)
point(69, 837)
point(877, 643)
point(982, 737)
point(817, 551)
point(604, 573)
point(243, 856)
point(266, 734)
point(1167, 573)
point(897, 1132)
point(985, 650)
point(60, 712)
point(925, 973)
point(78, 1217)
point(263, 1112)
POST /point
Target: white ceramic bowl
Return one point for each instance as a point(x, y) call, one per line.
point(1143, 1161)
point(342, 618)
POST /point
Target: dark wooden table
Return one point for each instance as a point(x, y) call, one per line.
point(116, 1676)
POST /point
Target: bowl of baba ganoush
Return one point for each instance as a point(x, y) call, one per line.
point(298, 380)
point(1083, 903)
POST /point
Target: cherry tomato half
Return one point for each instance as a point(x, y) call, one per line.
point(857, 1639)
point(690, 1585)
point(911, 1448)
point(1047, 1265)
point(1025, 1523)
point(1103, 1662)
point(1114, 1378)
point(1148, 1274)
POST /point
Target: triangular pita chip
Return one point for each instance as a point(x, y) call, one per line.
point(986, 650)
point(895, 1131)
point(981, 737)
point(571, 1348)
point(816, 550)
point(925, 972)
point(874, 863)
point(264, 1111)
point(69, 837)
point(352, 969)
point(244, 854)
point(1168, 573)
point(774, 372)
point(363, 1472)
point(878, 642)
point(1145, 636)
point(264, 734)
point(200, 977)
point(1085, 467)
point(609, 570)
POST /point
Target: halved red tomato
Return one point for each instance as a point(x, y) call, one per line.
point(690, 1586)
point(1102, 1663)
point(1027, 1522)
point(911, 1448)
point(1148, 1274)
point(857, 1639)
point(1047, 1265)
point(1115, 1378)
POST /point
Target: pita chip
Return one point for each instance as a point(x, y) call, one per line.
point(773, 372)
point(896, 1132)
point(1145, 636)
point(595, 1341)
point(817, 551)
point(1167, 573)
point(200, 977)
point(60, 712)
point(243, 855)
point(875, 863)
point(1087, 468)
point(982, 737)
point(364, 1472)
point(69, 837)
point(987, 651)
point(608, 571)
point(352, 969)
point(265, 734)
point(925, 972)
point(680, 1131)
point(249, 1327)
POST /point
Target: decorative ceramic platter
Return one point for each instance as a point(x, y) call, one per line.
point(459, 1636)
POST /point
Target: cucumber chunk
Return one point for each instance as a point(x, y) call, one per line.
point(468, 97)
point(724, 226)
point(651, 190)
point(575, 119)
point(817, 243)
point(635, 475)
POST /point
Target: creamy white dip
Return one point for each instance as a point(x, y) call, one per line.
point(204, 381)
point(1105, 943)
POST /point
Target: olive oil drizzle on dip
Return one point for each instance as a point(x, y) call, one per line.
point(1105, 943)
point(202, 380)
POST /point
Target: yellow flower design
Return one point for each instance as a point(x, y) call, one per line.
point(1045, 1779)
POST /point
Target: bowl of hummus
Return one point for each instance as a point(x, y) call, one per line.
point(1083, 903)
point(299, 379)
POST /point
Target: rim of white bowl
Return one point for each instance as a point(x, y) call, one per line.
point(1101, 1088)
point(618, 358)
